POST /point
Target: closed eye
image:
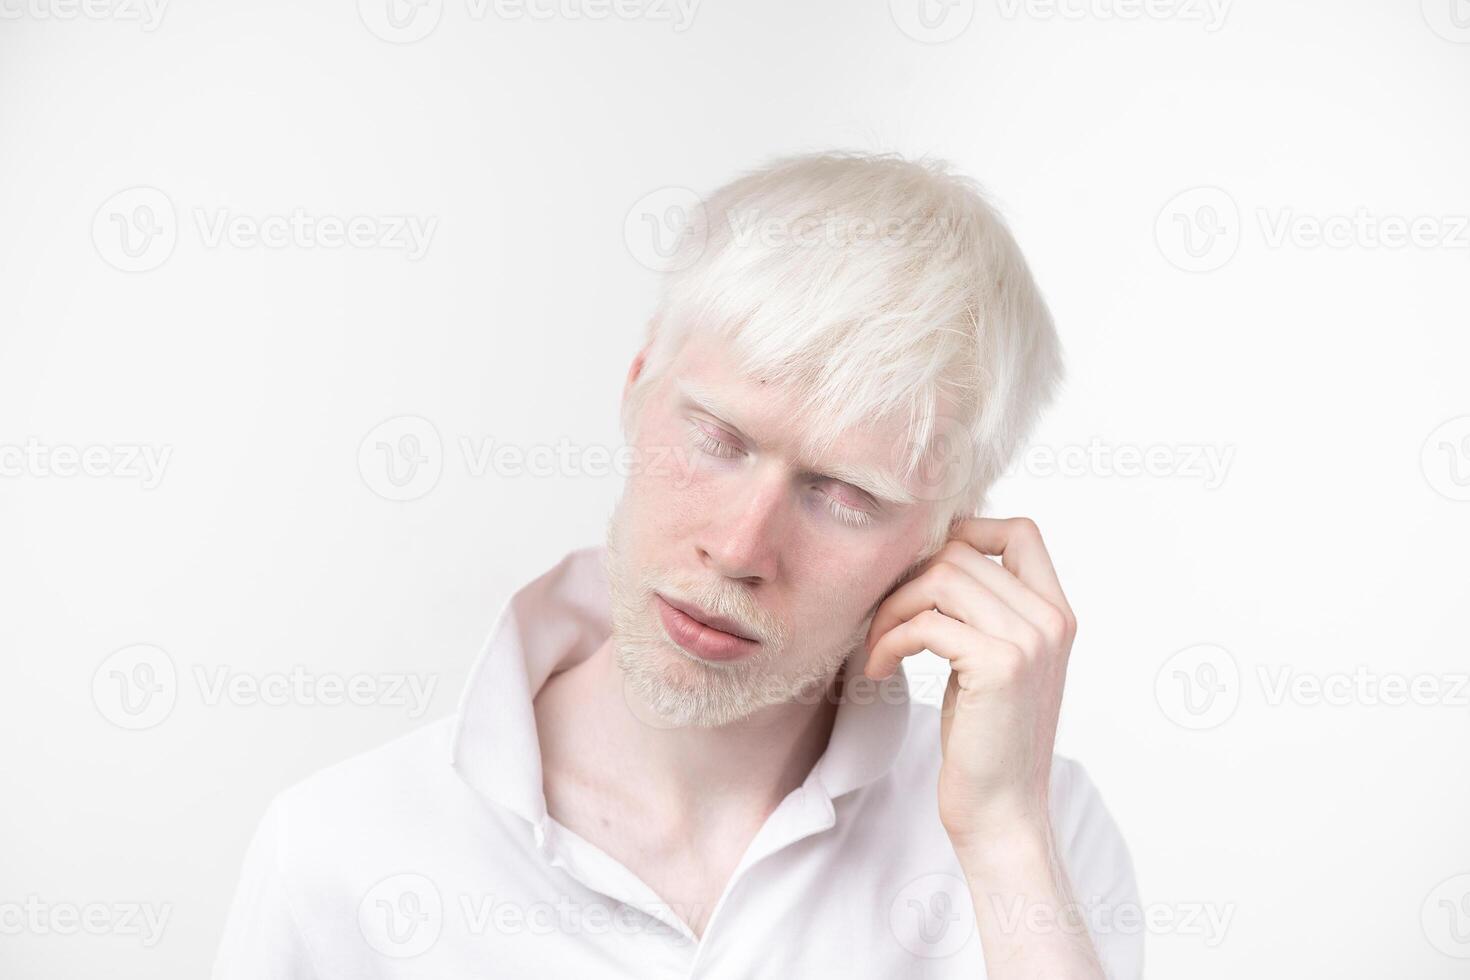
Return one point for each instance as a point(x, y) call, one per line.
point(708, 439)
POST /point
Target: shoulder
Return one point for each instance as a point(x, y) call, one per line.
point(377, 796)
point(387, 775)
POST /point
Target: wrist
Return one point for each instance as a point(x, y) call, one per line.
point(1015, 852)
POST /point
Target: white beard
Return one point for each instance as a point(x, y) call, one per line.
point(679, 690)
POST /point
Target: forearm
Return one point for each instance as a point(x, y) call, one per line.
point(1030, 925)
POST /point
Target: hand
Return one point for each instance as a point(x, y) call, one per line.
point(1007, 631)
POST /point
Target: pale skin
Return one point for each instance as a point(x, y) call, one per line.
point(760, 518)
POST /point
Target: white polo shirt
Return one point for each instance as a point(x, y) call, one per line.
point(434, 857)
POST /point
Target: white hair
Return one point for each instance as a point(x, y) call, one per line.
point(871, 287)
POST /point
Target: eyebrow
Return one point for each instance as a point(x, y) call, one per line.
point(878, 484)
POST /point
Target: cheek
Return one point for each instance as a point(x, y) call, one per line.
point(853, 579)
point(668, 481)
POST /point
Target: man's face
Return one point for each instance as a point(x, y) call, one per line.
point(723, 517)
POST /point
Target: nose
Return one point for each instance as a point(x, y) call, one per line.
point(741, 541)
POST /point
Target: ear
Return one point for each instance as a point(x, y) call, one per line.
point(636, 368)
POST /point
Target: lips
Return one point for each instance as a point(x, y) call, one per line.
point(707, 619)
point(700, 638)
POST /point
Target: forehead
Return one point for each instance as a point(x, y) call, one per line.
point(706, 376)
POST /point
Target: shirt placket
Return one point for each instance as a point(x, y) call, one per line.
point(805, 811)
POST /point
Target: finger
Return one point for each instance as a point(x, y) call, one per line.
point(1017, 541)
point(971, 653)
point(1030, 604)
point(956, 593)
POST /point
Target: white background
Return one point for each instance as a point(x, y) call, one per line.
point(1332, 545)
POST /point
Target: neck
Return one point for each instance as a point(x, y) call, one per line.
point(701, 778)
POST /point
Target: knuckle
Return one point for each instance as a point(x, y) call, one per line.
point(929, 617)
point(952, 550)
point(1025, 525)
point(1055, 623)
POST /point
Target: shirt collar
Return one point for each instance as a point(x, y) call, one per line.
point(560, 618)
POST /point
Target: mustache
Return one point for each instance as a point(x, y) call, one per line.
point(719, 600)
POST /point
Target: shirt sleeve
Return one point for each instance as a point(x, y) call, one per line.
point(261, 939)
point(1100, 870)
